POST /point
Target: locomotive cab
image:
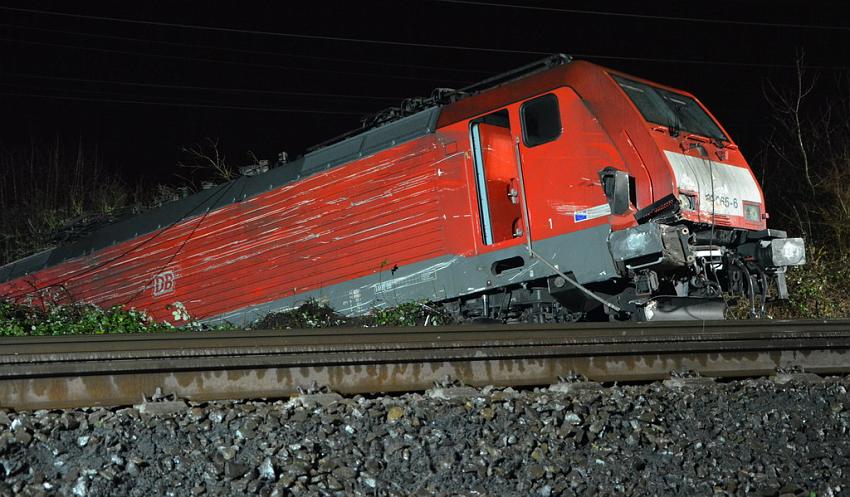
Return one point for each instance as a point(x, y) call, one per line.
point(704, 234)
point(598, 194)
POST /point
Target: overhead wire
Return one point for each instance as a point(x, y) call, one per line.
point(198, 88)
point(181, 104)
point(382, 75)
point(648, 16)
point(451, 47)
point(270, 33)
point(240, 50)
point(663, 60)
point(225, 102)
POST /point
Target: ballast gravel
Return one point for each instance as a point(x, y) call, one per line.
point(754, 437)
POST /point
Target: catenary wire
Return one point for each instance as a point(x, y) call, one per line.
point(202, 88)
point(419, 78)
point(121, 94)
point(270, 33)
point(412, 44)
point(240, 50)
point(229, 62)
point(179, 104)
point(182, 245)
point(648, 16)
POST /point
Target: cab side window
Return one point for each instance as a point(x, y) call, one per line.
point(541, 120)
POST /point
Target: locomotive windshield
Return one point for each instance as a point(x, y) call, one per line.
point(674, 110)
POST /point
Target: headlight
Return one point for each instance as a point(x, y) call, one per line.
point(788, 252)
point(752, 212)
point(778, 252)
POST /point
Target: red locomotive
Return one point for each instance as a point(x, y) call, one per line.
point(559, 191)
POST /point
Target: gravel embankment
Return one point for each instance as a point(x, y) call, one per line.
point(752, 437)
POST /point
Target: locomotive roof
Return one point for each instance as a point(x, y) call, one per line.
point(423, 119)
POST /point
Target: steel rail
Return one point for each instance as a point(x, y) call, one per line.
point(73, 371)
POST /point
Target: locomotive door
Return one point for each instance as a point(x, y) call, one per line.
point(496, 178)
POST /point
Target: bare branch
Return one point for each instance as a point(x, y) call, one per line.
point(207, 157)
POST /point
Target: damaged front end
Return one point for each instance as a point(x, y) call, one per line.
point(681, 271)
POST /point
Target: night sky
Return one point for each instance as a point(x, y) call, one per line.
point(275, 76)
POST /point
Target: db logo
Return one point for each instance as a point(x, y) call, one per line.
point(163, 283)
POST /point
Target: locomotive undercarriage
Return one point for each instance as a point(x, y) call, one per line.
point(527, 303)
point(667, 272)
point(698, 271)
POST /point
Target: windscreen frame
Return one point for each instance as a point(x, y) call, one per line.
point(668, 108)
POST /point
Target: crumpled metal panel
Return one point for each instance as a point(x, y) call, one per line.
point(636, 242)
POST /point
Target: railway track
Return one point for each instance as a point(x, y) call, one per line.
point(74, 371)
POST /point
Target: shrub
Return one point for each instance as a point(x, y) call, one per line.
point(820, 288)
point(311, 314)
point(411, 314)
point(75, 319)
point(50, 192)
point(315, 314)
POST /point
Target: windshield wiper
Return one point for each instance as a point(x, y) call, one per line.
point(675, 127)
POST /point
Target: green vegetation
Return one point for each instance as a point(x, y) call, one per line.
point(820, 289)
point(412, 314)
point(315, 314)
point(87, 319)
point(804, 170)
point(312, 314)
point(49, 186)
point(76, 319)
point(56, 193)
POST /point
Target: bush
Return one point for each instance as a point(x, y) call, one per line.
point(805, 170)
point(75, 319)
point(820, 288)
point(55, 193)
point(49, 189)
point(411, 314)
point(312, 314)
point(86, 319)
point(315, 314)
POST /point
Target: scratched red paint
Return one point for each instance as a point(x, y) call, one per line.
point(410, 203)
